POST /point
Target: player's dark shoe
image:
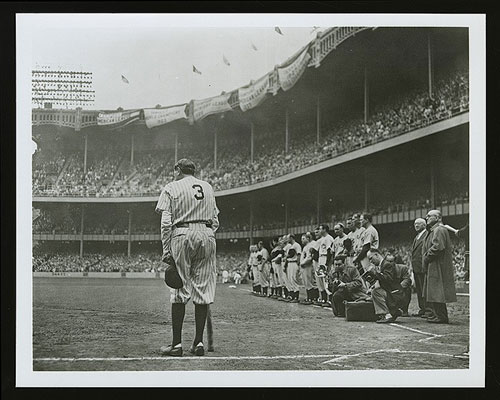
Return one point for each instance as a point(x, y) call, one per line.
point(294, 301)
point(171, 351)
point(437, 321)
point(318, 303)
point(326, 304)
point(210, 349)
point(386, 320)
point(198, 350)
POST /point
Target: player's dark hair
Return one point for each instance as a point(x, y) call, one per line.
point(325, 227)
point(368, 217)
point(340, 257)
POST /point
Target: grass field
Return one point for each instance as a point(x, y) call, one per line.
point(94, 324)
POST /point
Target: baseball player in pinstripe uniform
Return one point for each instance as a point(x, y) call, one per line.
point(277, 260)
point(338, 241)
point(264, 267)
point(189, 220)
point(324, 261)
point(273, 282)
point(306, 268)
point(293, 270)
point(254, 267)
point(284, 276)
point(357, 235)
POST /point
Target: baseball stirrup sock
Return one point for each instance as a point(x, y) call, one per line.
point(200, 317)
point(324, 296)
point(286, 292)
point(178, 311)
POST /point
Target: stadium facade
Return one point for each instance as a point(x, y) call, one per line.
point(377, 121)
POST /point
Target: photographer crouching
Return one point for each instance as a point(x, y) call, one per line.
point(346, 285)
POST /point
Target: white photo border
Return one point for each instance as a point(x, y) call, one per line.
point(26, 27)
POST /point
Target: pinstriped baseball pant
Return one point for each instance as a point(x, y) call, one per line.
point(278, 274)
point(193, 250)
point(308, 277)
point(264, 274)
point(293, 275)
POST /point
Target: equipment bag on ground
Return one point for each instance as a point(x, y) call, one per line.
point(360, 311)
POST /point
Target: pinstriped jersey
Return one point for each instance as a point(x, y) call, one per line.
point(187, 200)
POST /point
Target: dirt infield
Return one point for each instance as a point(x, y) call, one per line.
point(92, 324)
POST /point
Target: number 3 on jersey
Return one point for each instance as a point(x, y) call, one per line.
point(199, 195)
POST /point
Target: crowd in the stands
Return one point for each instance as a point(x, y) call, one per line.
point(112, 173)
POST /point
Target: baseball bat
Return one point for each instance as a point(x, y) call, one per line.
point(210, 330)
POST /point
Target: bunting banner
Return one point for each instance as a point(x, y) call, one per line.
point(161, 116)
point(289, 75)
point(117, 119)
point(252, 95)
point(203, 108)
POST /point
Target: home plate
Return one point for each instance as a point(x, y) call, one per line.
point(232, 287)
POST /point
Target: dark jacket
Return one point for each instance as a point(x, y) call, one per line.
point(394, 278)
point(354, 284)
point(416, 253)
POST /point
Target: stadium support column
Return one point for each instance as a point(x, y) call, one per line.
point(433, 183)
point(287, 138)
point(366, 187)
point(318, 202)
point(366, 97)
point(176, 146)
point(129, 240)
point(215, 149)
point(287, 200)
point(429, 62)
point(81, 229)
point(85, 154)
point(318, 120)
point(251, 220)
point(251, 141)
point(131, 149)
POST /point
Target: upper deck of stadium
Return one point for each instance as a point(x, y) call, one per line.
point(363, 91)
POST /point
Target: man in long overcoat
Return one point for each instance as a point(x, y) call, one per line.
point(439, 285)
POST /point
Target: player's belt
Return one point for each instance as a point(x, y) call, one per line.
point(208, 224)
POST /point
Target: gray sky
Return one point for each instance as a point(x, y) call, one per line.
point(158, 61)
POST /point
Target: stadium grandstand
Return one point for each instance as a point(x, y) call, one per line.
point(377, 120)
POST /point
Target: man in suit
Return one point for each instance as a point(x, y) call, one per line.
point(346, 284)
point(437, 260)
point(416, 263)
point(391, 279)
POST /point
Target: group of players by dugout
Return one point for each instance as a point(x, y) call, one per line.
point(331, 269)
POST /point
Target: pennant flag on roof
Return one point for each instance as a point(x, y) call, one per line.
point(225, 60)
point(196, 71)
point(254, 47)
point(277, 29)
point(125, 79)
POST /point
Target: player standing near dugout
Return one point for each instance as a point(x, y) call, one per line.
point(189, 220)
point(324, 261)
point(277, 260)
point(306, 268)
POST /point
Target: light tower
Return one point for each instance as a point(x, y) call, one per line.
point(61, 87)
